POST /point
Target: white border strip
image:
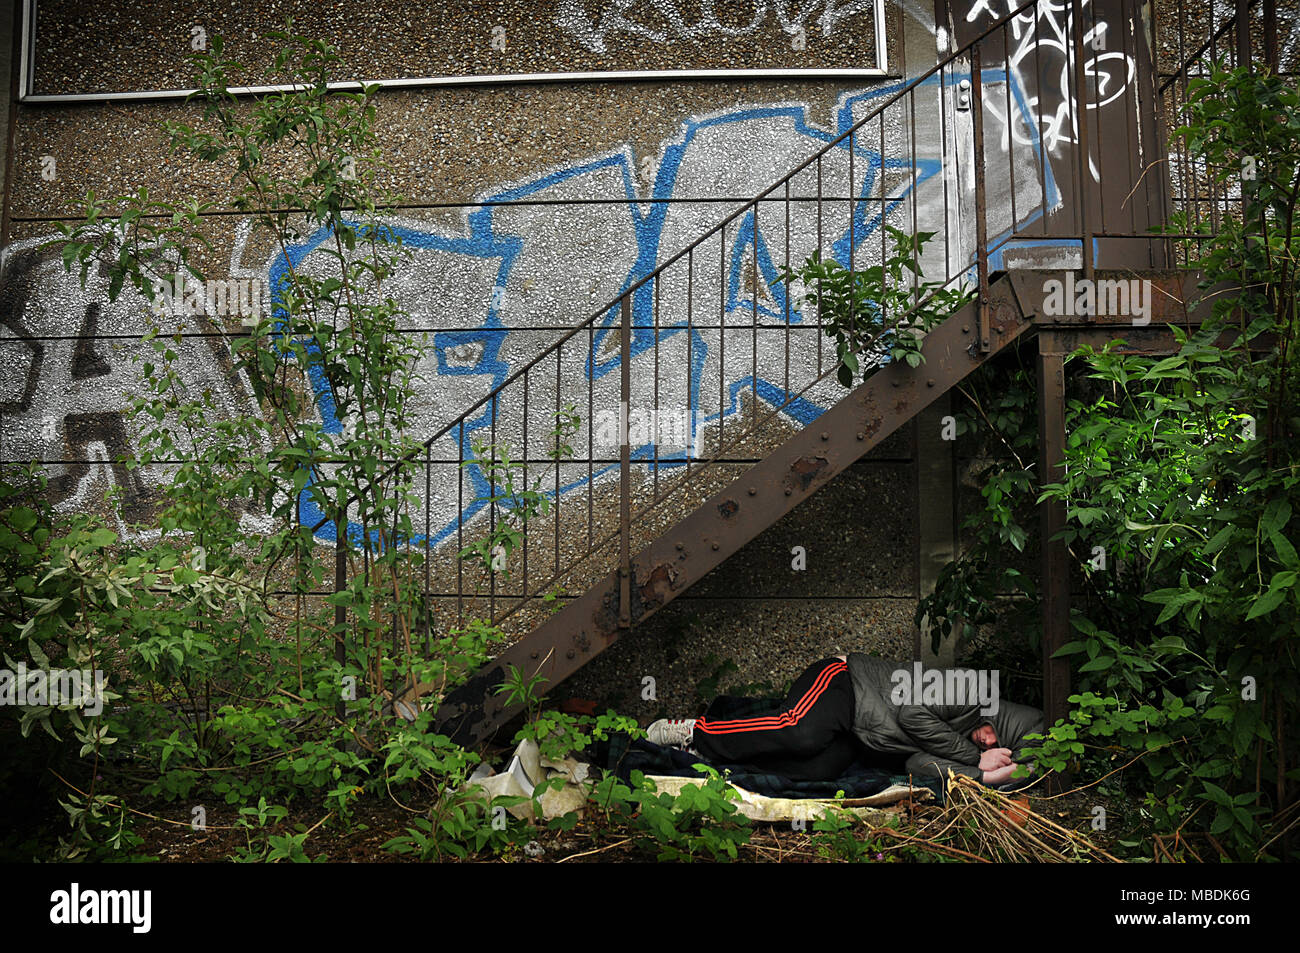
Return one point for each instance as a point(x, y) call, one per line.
point(25, 67)
point(882, 58)
point(27, 73)
point(502, 79)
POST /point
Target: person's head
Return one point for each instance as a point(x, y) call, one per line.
point(984, 737)
point(1007, 727)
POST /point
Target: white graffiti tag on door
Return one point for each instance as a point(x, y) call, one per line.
point(1041, 61)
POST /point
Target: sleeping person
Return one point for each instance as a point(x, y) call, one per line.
point(858, 706)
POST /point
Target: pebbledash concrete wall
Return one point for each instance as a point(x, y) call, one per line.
point(496, 285)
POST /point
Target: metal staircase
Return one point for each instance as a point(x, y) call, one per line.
point(628, 595)
point(1005, 150)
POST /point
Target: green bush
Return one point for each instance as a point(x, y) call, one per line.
point(228, 679)
point(1180, 488)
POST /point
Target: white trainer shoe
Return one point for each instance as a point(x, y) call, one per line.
point(671, 732)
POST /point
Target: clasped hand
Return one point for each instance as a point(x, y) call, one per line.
point(995, 758)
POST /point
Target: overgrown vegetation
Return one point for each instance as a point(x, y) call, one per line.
point(877, 312)
point(1181, 485)
point(242, 680)
point(237, 682)
point(231, 681)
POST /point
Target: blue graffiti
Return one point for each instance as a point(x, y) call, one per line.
point(487, 243)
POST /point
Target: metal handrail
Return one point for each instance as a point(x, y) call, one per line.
point(603, 311)
point(1214, 38)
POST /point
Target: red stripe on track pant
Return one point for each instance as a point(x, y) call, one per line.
point(810, 737)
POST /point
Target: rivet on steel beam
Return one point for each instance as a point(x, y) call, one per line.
point(965, 329)
point(788, 491)
point(534, 655)
point(570, 653)
point(716, 546)
point(680, 546)
point(752, 491)
point(894, 382)
point(861, 435)
point(825, 435)
point(930, 382)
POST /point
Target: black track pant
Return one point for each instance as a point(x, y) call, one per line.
point(810, 737)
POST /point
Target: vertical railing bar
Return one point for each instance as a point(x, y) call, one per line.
point(654, 409)
point(1072, 103)
point(365, 563)
point(340, 610)
point(1131, 108)
point(1186, 174)
point(884, 254)
point(591, 429)
point(492, 515)
point(722, 332)
point(460, 523)
point(853, 214)
point(1011, 135)
point(1212, 194)
point(911, 115)
point(820, 256)
point(365, 548)
point(428, 544)
point(625, 466)
point(1042, 150)
point(753, 280)
point(1094, 129)
point(527, 485)
point(943, 153)
point(298, 586)
point(785, 397)
point(1085, 139)
point(1270, 34)
point(398, 647)
point(1189, 209)
point(981, 222)
point(555, 556)
point(690, 358)
point(1243, 32)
